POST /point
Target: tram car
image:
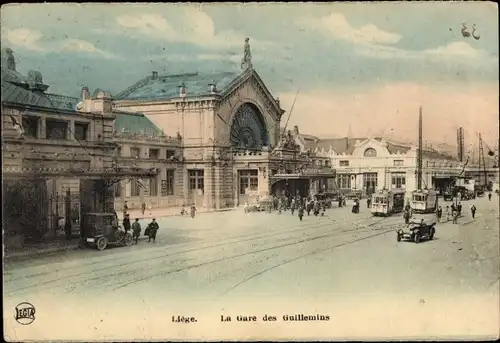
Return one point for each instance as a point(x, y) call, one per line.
point(385, 203)
point(424, 201)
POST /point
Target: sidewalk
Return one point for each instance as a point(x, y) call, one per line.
point(38, 249)
point(59, 246)
point(168, 212)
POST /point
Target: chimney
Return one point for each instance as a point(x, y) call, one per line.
point(295, 130)
point(155, 75)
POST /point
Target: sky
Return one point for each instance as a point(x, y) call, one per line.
point(364, 65)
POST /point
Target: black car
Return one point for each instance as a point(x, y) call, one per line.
point(417, 231)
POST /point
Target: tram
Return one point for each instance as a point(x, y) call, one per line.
point(424, 201)
point(385, 203)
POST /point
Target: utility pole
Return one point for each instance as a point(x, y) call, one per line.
point(482, 162)
point(419, 152)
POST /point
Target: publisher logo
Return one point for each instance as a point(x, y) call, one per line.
point(25, 313)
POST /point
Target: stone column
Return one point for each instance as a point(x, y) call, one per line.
point(218, 186)
point(42, 128)
point(208, 193)
point(70, 133)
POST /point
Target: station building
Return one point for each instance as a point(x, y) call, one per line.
point(228, 128)
point(371, 164)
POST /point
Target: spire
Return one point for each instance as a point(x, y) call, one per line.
point(349, 132)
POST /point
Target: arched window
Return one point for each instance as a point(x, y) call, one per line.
point(248, 129)
point(370, 152)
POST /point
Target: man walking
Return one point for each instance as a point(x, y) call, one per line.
point(136, 228)
point(126, 223)
point(152, 230)
point(473, 211)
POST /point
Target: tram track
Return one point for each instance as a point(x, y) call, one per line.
point(232, 240)
point(113, 276)
point(307, 240)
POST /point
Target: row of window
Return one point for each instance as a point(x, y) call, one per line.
point(370, 181)
point(396, 163)
point(54, 129)
point(153, 153)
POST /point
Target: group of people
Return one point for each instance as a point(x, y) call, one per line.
point(297, 204)
point(455, 211)
point(192, 210)
point(136, 229)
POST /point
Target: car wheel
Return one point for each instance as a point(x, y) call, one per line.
point(431, 234)
point(416, 237)
point(399, 237)
point(101, 243)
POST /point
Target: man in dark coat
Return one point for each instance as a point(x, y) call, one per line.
point(126, 223)
point(301, 212)
point(152, 230)
point(473, 211)
point(136, 228)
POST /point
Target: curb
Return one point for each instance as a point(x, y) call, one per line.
point(52, 251)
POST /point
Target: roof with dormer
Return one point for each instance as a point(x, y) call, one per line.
point(166, 87)
point(15, 89)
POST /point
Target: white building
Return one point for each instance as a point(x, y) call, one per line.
point(372, 164)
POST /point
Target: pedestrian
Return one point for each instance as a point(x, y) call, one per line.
point(152, 230)
point(455, 216)
point(406, 216)
point(459, 209)
point(126, 223)
point(368, 202)
point(193, 210)
point(143, 207)
point(280, 205)
point(125, 209)
point(136, 229)
point(439, 214)
point(473, 211)
point(447, 213)
point(301, 212)
point(489, 196)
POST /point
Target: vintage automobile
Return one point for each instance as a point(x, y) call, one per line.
point(416, 231)
point(101, 229)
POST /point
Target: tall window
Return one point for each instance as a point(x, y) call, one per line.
point(56, 129)
point(170, 153)
point(327, 163)
point(196, 180)
point(135, 188)
point(170, 182)
point(154, 154)
point(153, 186)
point(344, 163)
point(30, 125)
point(81, 130)
point(344, 181)
point(249, 180)
point(398, 180)
point(135, 152)
point(118, 190)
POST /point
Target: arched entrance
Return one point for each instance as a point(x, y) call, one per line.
point(248, 128)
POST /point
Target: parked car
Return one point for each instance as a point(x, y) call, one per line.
point(101, 229)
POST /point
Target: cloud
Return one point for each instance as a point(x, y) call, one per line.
point(25, 38)
point(31, 40)
point(460, 51)
point(336, 26)
point(78, 45)
point(195, 27)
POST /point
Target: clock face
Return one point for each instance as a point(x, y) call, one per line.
point(370, 152)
